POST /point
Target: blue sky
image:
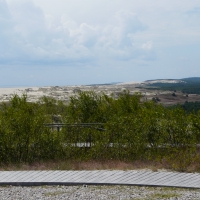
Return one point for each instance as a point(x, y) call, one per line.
point(73, 42)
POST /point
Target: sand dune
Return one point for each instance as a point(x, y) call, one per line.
point(65, 92)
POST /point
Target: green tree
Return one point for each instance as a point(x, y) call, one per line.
point(24, 137)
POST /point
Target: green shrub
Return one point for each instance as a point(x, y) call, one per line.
point(132, 130)
point(24, 137)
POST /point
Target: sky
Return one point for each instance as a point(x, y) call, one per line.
point(76, 42)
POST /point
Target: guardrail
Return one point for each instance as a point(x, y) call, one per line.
point(58, 126)
point(100, 127)
point(88, 142)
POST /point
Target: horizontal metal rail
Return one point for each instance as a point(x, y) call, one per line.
point(84, 125)
point(123, 145)
point(75, 124)
point(91, 143)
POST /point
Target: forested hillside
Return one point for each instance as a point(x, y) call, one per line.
point(186, 85)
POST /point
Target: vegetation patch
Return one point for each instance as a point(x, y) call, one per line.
point(129, 130)
point(164, 195)
point(56, 193)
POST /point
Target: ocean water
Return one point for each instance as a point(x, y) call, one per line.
point(17, 86)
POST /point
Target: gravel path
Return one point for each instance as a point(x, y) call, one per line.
point(96, 192)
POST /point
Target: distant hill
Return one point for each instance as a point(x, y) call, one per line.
point(112, 83)
point(191, 80)
point(186, 85)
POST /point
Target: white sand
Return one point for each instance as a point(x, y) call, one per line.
point(7, 93)
point(65, 92)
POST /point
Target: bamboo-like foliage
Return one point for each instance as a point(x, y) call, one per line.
point(132, 130)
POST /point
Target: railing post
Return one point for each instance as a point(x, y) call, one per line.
point(90, 139)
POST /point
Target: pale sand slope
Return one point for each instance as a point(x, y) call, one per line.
point(62, 93)
point(65, 92)
point(7, 93)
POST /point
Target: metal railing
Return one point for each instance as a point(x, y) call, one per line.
point(88, 141)
point(58, 126)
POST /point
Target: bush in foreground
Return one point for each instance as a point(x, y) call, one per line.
point(133, 130)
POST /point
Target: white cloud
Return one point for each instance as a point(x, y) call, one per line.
point(128, 33)
point(148, 45)
point(39, 37)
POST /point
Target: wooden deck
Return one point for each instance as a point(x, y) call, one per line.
point(100, 177)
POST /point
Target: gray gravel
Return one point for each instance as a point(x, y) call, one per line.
point(96, 192)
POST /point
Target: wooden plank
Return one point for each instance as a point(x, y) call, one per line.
point(43, 176)
point(103, 177)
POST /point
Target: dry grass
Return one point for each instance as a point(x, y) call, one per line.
point(86, 165)
point(176, 164)
point(152, 165)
